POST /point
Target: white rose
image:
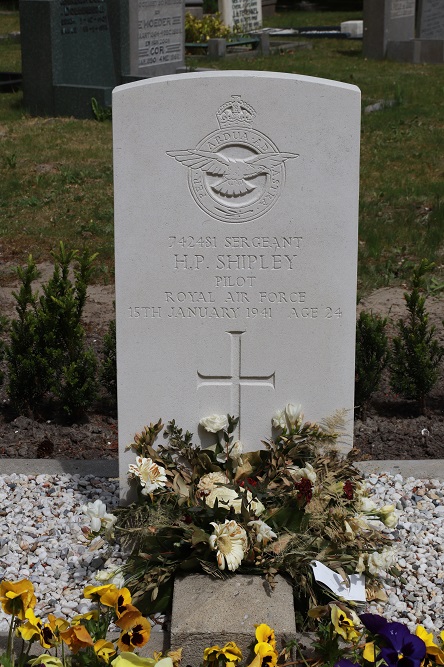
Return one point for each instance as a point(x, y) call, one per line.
point(214, 423)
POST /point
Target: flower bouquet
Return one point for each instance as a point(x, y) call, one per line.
point(220, 510)
point(84, 640)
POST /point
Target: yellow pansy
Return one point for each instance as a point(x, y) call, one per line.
point(45, 659)
point(136, 631)
point(369, 653)
point(126, 659)
point(230, 651)
point(265, 634)
point(76, 638)
point(91, 615)
point(31, 630)
point(96, 592)
point(343, 624)
point(267, 653)
point(17, 597)
point(104, 650)
point(431, 648)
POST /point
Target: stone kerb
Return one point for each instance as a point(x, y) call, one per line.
point(209, 611)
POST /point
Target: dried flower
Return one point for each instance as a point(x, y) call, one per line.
point(229, 540)
point(151, 475)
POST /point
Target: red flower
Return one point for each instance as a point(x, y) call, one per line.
point(305, 489)
point(348, 490)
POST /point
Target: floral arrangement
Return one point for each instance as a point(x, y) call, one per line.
point(221, 510)
point(86, 636)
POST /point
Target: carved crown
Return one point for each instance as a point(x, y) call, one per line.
point(235, 113)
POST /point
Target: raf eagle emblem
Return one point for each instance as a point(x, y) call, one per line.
point(234, 173)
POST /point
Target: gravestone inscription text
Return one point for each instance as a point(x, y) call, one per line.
point(400, 9)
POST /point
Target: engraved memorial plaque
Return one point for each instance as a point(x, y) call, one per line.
point(236, 204)
point(431, 19)
point(156, 37)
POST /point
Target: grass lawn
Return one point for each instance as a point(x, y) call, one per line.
point(56, 174)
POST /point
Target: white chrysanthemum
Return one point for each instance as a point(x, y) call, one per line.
point(207, 483)
point(214, 423)
point(151, 475)
point(264, 534)
point(299, 473)
point(230, 542)
point(98, 516)
point(379, 563)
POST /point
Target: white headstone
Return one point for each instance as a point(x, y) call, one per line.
point(355, 29)
point(236, 208)
point(244, 15)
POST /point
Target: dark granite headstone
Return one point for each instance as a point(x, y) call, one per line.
point(387, 21)
point(68, 56)
point(431, 19)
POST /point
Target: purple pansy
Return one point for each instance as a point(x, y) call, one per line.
point(343, 662)
point(400, 648)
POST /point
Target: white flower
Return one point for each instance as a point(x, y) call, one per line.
point(214, 423)
point(230, 542)
point(388, 516)
point(294, 414)
point(230, 498)
point(151, 475)
point(381, 562)
point(264, 534)
point(290, 416)
point(98, 515)
point(298, 473)
point(207, 483)
point(367, 505)
point(278, 420)
point(234, 453)
point(113, 576)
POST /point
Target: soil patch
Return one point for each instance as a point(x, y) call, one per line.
point(393, 428)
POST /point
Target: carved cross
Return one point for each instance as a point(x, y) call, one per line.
point(235, 379)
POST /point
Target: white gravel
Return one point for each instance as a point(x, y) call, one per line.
point(41, 539)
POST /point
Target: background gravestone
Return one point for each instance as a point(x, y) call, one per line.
point(67, 56)
point(236, 214)
point(74, 51)
point(156, 38)
point(386, 21)
point(243, 14)
point(431, 19)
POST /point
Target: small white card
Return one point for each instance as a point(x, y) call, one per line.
point(334, 581)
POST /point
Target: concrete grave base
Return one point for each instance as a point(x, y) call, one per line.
point(209, 611)
point(417, 51)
